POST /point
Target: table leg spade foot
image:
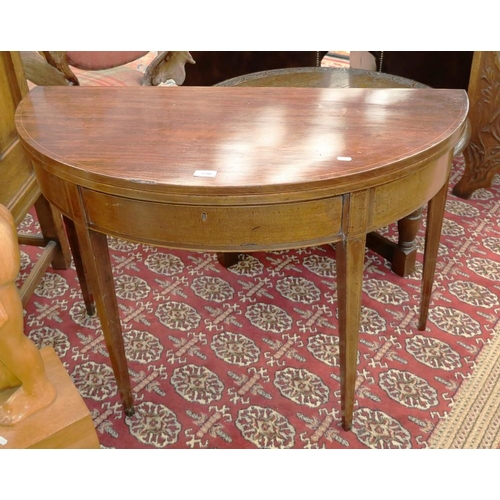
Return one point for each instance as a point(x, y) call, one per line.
point(346, 424)
point(227, 259)
point(129, 412)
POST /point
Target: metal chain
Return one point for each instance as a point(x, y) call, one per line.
point(381, 61)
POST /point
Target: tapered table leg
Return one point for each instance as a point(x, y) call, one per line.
point(94, 248)
point(350, 255)
point(81, 272)
point(435, 214)
point(227, 259)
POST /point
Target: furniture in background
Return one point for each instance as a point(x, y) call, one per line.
point(482, 155)
point(92, 67)
point(115, 68)
point(111, 68)
point(362, 60)
point(19, 190)
point(215, 66)
point(438, 69)
point(284, 168)
point(402, 254)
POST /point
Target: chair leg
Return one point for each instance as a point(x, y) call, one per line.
point(52, 229)
point(405, 254)
point(402, 255)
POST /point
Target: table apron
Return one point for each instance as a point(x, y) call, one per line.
point(397, 199)
point(216, 228)
point(244, 228)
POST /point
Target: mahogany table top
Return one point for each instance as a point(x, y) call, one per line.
point(253, 140)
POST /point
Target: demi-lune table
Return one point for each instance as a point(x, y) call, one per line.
point(239, 170)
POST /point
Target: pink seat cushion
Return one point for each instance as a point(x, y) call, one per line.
point(127, 75)
point(114, 77)
point(95, 60)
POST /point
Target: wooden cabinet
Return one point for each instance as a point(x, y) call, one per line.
point(482, 155)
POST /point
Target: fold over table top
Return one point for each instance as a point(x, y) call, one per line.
point(223, 141)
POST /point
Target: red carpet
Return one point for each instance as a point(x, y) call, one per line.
point(247, 357)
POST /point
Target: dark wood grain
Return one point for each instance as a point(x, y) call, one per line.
point(259, 140)
point(122, 162)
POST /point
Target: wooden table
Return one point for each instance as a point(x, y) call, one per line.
point(240, 170)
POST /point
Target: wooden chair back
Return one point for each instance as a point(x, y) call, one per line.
point(19, 190)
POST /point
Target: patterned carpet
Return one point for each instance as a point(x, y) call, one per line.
point(247, 357)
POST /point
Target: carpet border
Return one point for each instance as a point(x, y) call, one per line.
point(474, 421)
